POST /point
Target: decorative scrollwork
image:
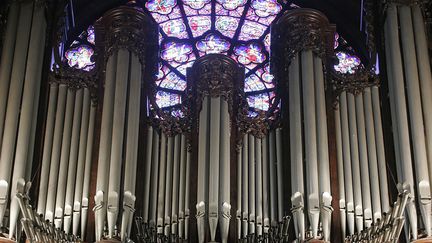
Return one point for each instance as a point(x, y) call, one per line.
point(354, 83)
point(128, 28)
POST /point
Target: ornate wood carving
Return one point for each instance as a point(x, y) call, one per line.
point(128, 28)
point(354, 83)
point(302, 29)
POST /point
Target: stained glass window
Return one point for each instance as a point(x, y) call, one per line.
point(349, 62)
point(80, 52)
point(193, 28)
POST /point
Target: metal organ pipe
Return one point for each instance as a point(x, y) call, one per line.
point(187, 193)
point(73, 160)
point(296, 149)
point(272, 174)
point(9, 129)
point(154, 178)
point(310, 140)
point(363, 159)
point(105, 146)
point(279, 172)
point(245, 188)
point(182, 186)
point(175, 185)
point(47, 148)
point(239, 192)
point(251, 163)
point(347, 163)
point(259, 188)
point(372, 154)
point(148, 168)
point(168, 185)
point(416, 116)
point(55, 157)
point(340, 166)
point(79, 180)
point(265, 184)
point(161, 188)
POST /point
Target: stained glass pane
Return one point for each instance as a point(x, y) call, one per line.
point(260, 101)
point(80, 57)
point(178, 52)
point(253, 83)
point(251, 53)
point(251, 30)
point(165, 99)
point(161, 6)
point(231, 4)
point(91, 34)
point(199, 24)
point(348, 64)
point(266, 8)
point(196, 4)
point(175, 28)
point(227, 25)
point(213, 44)
point(172, 81)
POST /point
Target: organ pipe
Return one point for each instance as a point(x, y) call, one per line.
point(265, 184)
point(187, 193)
point(272, 173)
point(120, 100)
point(148, 168)
point(168, 185)
point(161, 189)
point(258, 187)
point(245, 183)
point(252, 184)
point(340, 172)
point(175, 185)
point(182, 186)
point(154, 178)
point(279, 171)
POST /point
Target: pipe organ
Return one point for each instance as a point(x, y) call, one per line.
point(106, 164)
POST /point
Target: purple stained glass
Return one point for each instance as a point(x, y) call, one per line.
point(231, 4)
point(227, 25)
point(177, 113)
point(175, 28)
point(265, 8)
point(253, 83)
point(196, 4)
point(166, 99)
point(172, 81)
point(161, 6)
point(259, 101)
point(252, 30)
point(178, 52)
point(91, 34)
point(213, 44)
point(199, 24)
point(336, 43)
point(80, 57)
point(348, 64)
point(251, 53)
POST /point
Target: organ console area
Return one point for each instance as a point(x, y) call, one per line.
point(90, 155)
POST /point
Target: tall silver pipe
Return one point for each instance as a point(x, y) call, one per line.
point(168, 185)
point(87, 171)
point(187, 193)
point(175, 185)
point(340, 172)
point(203, 157)
point(239, 192)
point(79, 180)
point(355, 162)
point(55, 157)
point(397, 85)
point(6, 60)
point(382, 167)
point(11, 118)
point(64, 158)
point(252, 186)
point(225, 171)
point(296, 149)
point(47, 148)
point(105, 146)
point(265, 182)
point(130, 171)
point(372, 154)
point(161, 188)
point(116, 159)
point(182, 185)
point(279, 173)
point(258, 187)
point(154, 178)
point(416, 115)
point(215, 109)
point(28, 112)
point(349, 190)
point(363, 159)
point(148, 168)
point(310, 139)
point(272, 165)
point(73, 160)
point(245, 186)
point(424, 68)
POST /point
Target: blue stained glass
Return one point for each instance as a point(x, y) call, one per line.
point(348, 64)
point(227, 25)
point(161, 6)
point(196, 4)
point(213, 44)
point(265, 8)
point(252, 30)
point(232, 4)
point(91, 34)
point(177, 52)
point(80, 57)
point(260, 101)
point(199, 24)
point(175, 28)
point(253, 83)
point(172, 81)
point(251, 53)
point(165, 99)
